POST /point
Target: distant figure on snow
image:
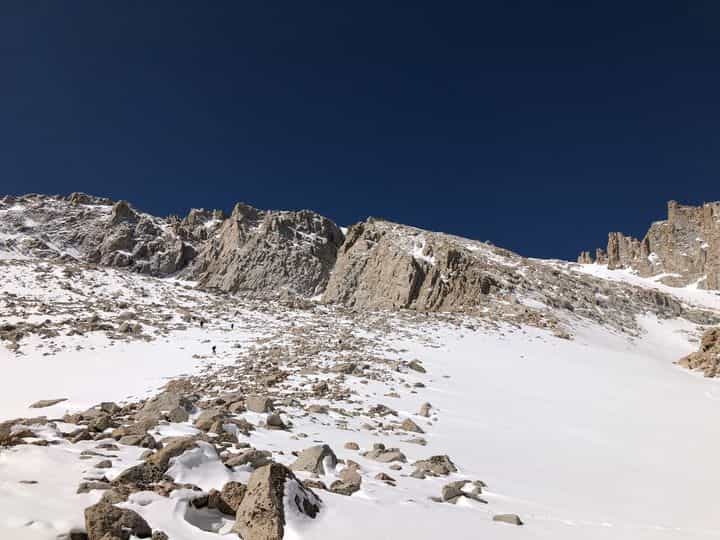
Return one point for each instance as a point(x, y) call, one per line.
point(202, 323)
point(214, 349)
point(232, 326)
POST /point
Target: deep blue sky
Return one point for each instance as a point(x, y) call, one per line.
point(537, 125)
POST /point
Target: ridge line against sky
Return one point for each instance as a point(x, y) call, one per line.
point(539, 128)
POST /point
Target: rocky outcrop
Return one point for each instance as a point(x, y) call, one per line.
point(390, 266)
point(684, 248)
point(84, 228)
point(707, 358)
point(264, 253)
point(384, 265)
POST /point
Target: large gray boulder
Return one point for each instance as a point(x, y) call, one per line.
point(261, 514)
point(315, 459)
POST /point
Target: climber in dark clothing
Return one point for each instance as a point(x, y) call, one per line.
point(214, 349)
point(202, 323)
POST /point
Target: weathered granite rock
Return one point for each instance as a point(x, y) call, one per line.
point(261, 515)
point(263, 252)
point(512, 519)
point(685, 246)
point(435, 466)
point(386, 265)
point(229, 498)
point(315, 459)
point(707, 358)
point(104, 520)
point(94, 230)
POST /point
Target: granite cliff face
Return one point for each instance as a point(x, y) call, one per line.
point(265, 253)
point(384, 265)
point(683, 249)
point(390, 266)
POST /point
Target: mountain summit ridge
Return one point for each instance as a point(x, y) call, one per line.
point(376, 264)
point(683, 249)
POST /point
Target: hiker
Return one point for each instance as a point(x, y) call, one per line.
point(214, 349)
point(202, 323)
point(232, 326)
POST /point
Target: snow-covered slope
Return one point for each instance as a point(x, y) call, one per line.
point(599, 436)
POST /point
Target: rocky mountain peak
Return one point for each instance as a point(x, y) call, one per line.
point(684, 249)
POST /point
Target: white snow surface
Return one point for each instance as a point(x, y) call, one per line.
point(600, 437)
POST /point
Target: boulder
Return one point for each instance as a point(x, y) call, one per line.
point(261, 514)
point(512, 519)
point(274, 421)
point(47, 403)
point(228, 499)
point(348, 483)
point(409, 425)
point(435, 466)
point(315, 459)
point(254, 458)
point(104, 520)
point(208, 417)
point(172, 447)
point(385, 455)
point(258, 404)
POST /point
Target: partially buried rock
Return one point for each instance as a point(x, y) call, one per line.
point(46, 403)
point(512, 519)
point(143, 474)
point(208, 417)
point(143, 441)
point(385, 455)
point(435, 466)
point(103, 520)
point(178, 414)
point(349, 482)
point(315, 459)
point(261, 515)
point(173, 447)
point(409, 425)
point(415, 365)
point(254, 458)
point(274, 421)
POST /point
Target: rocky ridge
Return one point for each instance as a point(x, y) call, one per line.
point(684, 249)
point(295, 256)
